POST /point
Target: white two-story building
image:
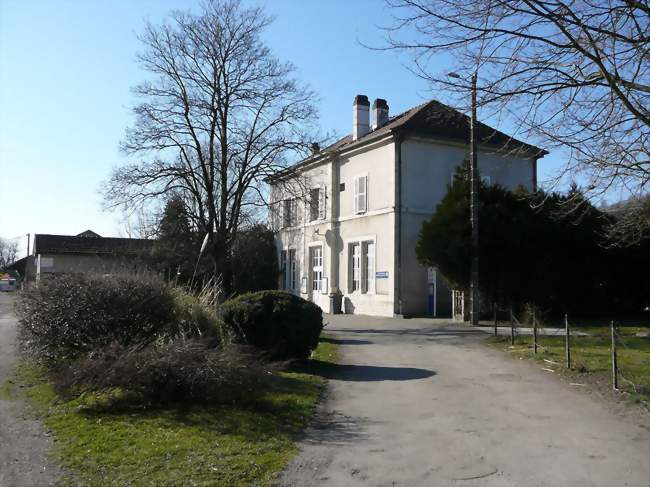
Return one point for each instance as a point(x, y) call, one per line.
point(348, 217)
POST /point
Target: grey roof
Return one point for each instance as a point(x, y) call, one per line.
point(68, 244)
point(434, 119)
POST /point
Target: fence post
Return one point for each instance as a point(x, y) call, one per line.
point(614, 362)
point(567, 342)
point(494, 305)
point(512, 327)
point(534, 333)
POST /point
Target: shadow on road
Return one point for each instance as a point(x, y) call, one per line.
point(368, 373)
point(335, 428)
point(345, 341)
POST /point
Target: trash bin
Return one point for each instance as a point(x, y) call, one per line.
point(336, 299)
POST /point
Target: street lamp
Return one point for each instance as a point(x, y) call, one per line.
point(473, 205)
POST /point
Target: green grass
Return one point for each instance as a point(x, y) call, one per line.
point(242, 444)
point(6, 390)
point(591, 357)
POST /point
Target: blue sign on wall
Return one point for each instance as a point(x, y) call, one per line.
point(381, 274)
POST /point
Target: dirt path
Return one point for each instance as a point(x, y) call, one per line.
point(23, 441)
point(416, 404)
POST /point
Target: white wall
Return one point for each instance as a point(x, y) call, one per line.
point(427, 169)
point(343, 226)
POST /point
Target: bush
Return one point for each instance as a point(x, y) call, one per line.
point(286, 325)
point(182, 370)
point(64, 318)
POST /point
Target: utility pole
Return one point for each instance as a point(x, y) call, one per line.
point(473, 194)
point(474, 291)
point(28, 237)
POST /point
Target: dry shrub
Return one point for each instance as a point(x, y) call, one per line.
point(184, 370)
point(65, 318)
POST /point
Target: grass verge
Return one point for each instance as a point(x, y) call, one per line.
point(591, 358)
point(223, 444)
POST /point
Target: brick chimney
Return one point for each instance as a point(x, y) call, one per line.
point(360, 117)
point(379, 113)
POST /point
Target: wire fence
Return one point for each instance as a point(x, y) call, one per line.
point(620, 355)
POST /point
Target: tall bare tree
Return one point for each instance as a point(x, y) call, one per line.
point(217, 114)
point(8, 252)
point(572, 74)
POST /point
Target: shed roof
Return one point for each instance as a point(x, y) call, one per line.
point(68, 244)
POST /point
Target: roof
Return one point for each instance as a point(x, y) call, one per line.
point(433, 119)
point(68, 244)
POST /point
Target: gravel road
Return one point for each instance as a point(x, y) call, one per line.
point(24, 443)
point(423, 402)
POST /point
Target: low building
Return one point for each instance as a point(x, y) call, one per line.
point(348, 217)
point(83, 253)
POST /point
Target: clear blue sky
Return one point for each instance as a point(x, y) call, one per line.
point(66, 68)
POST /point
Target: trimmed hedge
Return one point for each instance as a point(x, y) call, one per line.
point(279, 322)
point(66, 317)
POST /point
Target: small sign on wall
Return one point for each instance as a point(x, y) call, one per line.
point(303, 285)
point(431, 275)
point(381, 275)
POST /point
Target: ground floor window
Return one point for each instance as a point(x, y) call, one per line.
point(283, 270)
point(293, 272)
point(289, 270)
point(355, 266)
point(316, 261)
point(361, 267)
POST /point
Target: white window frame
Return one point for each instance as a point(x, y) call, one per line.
point(316, 268)
point(366, 282)
point(368, 268)
point(360, 202)
point(354, 273)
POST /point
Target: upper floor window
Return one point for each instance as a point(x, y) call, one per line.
point(289, 212)
point(361, 194)
point(317, 204)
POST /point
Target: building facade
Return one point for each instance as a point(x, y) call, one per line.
point(348, 217)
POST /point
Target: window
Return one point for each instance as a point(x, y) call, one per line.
point(368, 267)
point(317, 204)
point(283, 268)
point(355, 267)
point(361, 194)
point(316, 259)
point(293, 274)
point(289, 212)
point(361, 267)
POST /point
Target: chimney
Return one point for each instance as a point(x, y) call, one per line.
point(379, 113)
point(360, 117)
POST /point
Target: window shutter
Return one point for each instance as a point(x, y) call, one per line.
point(321, 203)
point(363, 191)
point(356, 195)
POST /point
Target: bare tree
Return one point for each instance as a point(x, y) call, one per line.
point(8, 252)
point(572, 74)
point(218, 114)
